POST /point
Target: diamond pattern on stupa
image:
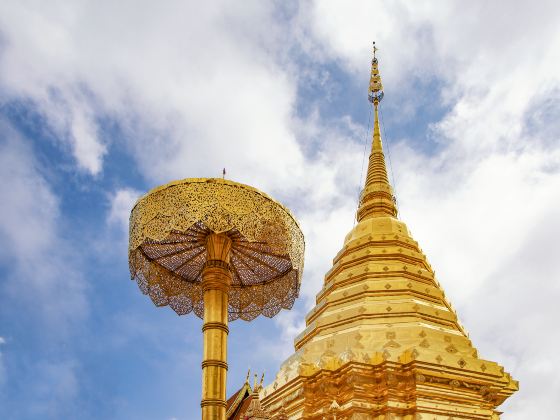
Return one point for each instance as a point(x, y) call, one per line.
point(382, 341)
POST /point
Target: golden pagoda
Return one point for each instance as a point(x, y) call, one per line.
point(382, 341)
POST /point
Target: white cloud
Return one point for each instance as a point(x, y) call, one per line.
point(41, 285)
point(518, 332)
point(195, 88)
point(87, 148)
point(40, 269)
point(30, 209)
point(122, 202)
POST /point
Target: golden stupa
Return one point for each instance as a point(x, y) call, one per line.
point(382, 341)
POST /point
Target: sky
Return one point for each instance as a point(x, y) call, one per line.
point(101, 101)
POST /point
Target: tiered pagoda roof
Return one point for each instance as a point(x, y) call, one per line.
point(245, 404)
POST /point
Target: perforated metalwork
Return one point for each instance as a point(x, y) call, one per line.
point(167, 248)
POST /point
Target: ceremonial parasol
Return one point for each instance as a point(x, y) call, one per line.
point(222, 250)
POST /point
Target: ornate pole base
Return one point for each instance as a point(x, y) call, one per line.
point(216, 280)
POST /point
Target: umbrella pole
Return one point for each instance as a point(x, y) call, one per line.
point(216, 280)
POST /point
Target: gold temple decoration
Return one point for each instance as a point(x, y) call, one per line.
point(245, 403)
point(377, 197)
point(167, 248)
point(382, 341)
point(221, 249)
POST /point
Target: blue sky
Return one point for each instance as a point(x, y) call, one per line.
point(99, 102)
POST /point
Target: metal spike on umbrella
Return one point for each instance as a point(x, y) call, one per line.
point(222, 250)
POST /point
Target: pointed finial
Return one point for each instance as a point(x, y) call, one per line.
point(375, 93)
point(224, 173)
point(255, 382)
point(248, 374)
point(262, 380)
point(377, 197)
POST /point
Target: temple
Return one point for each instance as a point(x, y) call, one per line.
point(245, 404)
point(382, 341)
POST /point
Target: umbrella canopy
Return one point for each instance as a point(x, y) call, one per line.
point(167, 246)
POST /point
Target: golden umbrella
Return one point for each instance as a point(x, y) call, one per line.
point(221, 249)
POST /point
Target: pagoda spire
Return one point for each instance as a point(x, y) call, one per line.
point(382, 340)
point(377, 197)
